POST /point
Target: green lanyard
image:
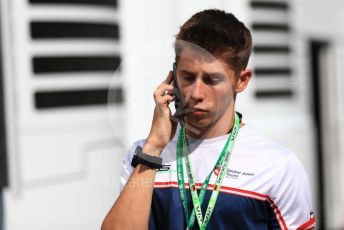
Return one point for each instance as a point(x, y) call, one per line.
point(223, 160)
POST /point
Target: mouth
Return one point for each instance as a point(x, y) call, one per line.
point(194, 111)
point(198, 111)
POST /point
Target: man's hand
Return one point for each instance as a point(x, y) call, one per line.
point(163, 127)
point(136, 197)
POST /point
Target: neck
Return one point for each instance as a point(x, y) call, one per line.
point(220, 127)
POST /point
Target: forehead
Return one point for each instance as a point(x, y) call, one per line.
point(201, 60)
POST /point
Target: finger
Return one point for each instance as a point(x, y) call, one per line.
point(169, 78)
point(163, 90)
point(169, 98)
point(165, 99)
point(167, 81)
point(169, 92)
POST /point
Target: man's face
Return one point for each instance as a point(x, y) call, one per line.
point(208, 86)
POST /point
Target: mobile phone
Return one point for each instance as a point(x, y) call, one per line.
point(178, 102)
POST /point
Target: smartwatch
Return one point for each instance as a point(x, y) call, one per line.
point(146, 159)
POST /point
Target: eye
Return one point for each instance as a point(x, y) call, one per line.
point(212, 79)
point(188, 78)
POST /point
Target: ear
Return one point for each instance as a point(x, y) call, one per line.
point(244, 78)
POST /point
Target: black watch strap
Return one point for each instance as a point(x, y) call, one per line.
point(145, 159)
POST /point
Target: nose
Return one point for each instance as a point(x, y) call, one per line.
point(197, 91)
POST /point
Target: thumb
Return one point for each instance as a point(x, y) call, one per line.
point(174, 123)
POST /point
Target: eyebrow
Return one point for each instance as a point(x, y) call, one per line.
point(188, 72)
point(215, 74)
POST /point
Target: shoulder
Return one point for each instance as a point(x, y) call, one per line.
point(278, 167)
point(257, 145)
point(287, 181)
point(268, 153)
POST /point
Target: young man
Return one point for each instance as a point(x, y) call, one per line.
point(218, 173)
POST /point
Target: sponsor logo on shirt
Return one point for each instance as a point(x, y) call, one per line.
point(233, 173)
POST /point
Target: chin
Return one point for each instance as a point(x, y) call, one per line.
point(199, 123)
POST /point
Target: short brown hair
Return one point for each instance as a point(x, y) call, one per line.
point(221, 34)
